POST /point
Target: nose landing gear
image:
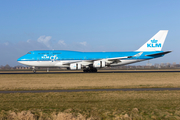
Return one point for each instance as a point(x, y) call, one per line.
point(34, 69)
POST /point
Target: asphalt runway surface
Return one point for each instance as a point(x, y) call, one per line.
point(81, 72)
point(93, 90)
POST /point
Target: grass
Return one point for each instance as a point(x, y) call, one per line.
point(88, 81)
point(90, 105)
point(94, 105)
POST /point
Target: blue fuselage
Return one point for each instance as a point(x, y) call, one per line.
point(63, 55)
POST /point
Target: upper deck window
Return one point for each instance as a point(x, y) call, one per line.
point(29, 53)
point(43, 53)
point(56, 53)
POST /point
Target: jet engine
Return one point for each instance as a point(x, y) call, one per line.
point(75, 66)
point(99, 64)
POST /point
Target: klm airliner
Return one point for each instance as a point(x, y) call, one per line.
point(91, 61)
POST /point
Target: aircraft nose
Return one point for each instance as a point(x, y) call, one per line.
point(21, 59)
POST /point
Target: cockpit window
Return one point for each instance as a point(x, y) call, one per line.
point(29, 53)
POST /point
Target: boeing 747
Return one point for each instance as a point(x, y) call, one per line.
point(91, 61)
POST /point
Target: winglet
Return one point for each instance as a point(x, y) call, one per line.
point(155, 43)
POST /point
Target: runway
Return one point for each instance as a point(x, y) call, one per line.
point(93, 90)
point(81, 72)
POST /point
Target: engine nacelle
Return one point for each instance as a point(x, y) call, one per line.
point(99, 64)
point(75, 66)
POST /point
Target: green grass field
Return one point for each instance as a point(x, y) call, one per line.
point(94, 105)
point(90, 105)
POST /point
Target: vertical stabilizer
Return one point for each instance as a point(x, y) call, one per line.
point(155, 43)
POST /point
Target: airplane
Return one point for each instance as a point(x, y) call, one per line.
point(91, 61)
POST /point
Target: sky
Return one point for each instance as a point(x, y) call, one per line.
point(86, 25)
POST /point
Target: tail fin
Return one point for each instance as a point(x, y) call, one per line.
point(155, 43)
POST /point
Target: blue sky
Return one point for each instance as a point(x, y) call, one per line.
point(86, 25)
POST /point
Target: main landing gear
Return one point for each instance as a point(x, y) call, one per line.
point(90, 70)
point(34, 69)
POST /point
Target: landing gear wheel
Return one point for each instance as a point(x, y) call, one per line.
point(90, 70)
point(34, 71)
point(86, 70)
point(94, 70)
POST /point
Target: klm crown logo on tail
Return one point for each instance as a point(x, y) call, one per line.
point(154, 43)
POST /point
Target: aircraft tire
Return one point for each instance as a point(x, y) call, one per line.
point(90, 70)
point(34, 71)
point(85, 70)
point(93, 70)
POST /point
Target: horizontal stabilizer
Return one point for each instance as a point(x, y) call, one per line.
point(162, 53)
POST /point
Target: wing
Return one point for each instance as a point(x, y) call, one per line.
point(110, 60)
point(116, 60)
point(68, 63)
point(89, 62)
